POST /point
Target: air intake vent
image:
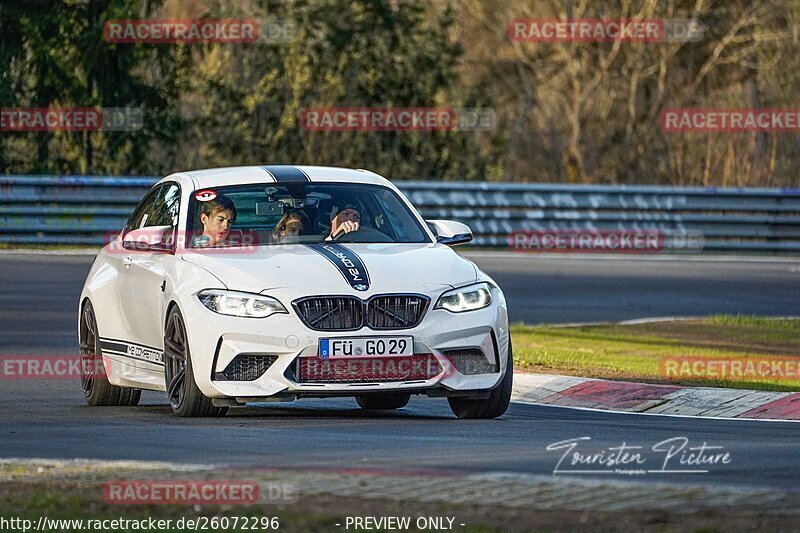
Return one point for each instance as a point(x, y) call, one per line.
point(471, 362)
point(246, 367)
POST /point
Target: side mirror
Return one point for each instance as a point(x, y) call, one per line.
point(152, 239)
point(450, 232)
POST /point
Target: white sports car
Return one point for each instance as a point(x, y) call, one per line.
point(255, 284)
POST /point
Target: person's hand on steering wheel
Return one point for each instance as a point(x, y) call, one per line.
point(346, 227)
point(346, 221)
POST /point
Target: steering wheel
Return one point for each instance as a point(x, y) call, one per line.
point(363, 234)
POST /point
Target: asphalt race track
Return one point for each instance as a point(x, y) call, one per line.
point(39, 293)
point(49, 419)
point(559, 289)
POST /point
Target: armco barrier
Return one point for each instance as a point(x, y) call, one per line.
point(82, 209)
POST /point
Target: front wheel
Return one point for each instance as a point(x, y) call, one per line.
point(185, 397)
point(492, 407)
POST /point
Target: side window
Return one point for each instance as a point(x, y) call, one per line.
point(144, 207)
point(159, 208)
point(164, 210)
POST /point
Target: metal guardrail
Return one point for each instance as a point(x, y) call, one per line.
point(83, 209)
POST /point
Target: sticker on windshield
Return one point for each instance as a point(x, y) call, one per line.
point(205, 196)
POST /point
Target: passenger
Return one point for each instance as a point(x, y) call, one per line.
point(346, 220)
point(291, 225)
point(216, 216)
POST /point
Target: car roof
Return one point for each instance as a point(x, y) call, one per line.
point(219, 177)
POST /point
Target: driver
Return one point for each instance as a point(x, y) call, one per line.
point(346, 220)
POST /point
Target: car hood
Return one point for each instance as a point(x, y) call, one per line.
point(390, 268)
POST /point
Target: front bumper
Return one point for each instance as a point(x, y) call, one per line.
point(215, 340)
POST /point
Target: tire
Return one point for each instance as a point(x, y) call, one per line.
point(492, 407)
point(185, 398)
point(383, 401)
point(94, 382)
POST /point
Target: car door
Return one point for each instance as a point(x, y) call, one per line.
point(115, 325)
point(142, 278)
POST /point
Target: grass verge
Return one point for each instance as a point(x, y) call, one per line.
point(635, 352)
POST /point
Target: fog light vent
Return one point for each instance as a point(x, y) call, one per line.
point(246, 367)
point(470, 362)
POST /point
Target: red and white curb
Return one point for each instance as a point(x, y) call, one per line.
point(569, 391)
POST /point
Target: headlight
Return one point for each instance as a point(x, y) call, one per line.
point(240, 303)
point(466, 298)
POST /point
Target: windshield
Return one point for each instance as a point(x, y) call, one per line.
point(299, 213)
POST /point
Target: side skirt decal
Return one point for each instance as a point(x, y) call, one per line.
point(131, 350)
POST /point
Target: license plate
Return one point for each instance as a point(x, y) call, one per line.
point(365, 347)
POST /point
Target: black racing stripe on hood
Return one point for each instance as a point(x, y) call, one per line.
point(287, 174)
point(351, 267)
